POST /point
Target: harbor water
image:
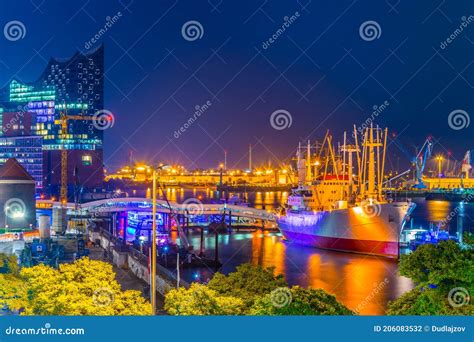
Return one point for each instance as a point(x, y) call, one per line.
point(363, 283)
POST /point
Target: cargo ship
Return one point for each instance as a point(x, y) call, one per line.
point(340, 206)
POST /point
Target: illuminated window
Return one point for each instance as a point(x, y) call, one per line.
point(86, 160)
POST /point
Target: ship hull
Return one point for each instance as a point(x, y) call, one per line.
point(375, 231)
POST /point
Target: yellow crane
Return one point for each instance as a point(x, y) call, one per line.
point(63, 120)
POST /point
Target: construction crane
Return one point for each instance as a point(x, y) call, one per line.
point(63, 121)
point(420, 162)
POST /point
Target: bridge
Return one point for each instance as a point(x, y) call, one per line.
point(190, 208)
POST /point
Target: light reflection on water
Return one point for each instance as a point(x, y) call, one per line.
point(363, 283)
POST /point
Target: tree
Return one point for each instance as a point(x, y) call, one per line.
point(298, 301)
point(444, 263)
point(248, 282)
point(9, 264)
point(251, 290)
point(468, 239)
point(201, 300)
point(444, 278)
point(86, 287)
point(426, 301)
point(12, 289)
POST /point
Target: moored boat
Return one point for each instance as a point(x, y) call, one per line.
point(339, 210)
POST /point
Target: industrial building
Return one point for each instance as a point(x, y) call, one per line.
point(33, 109)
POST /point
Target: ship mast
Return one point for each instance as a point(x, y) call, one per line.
point(308, 163)
point(373, 163)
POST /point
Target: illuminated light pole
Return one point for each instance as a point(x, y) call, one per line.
point(221, 169)
point(250, 158)
point(440, 160)
point(153, 247)
point(225, 160)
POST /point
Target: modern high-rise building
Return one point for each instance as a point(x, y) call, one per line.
point(28, 151)
point(74, 86)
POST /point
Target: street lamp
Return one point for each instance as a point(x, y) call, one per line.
point(153, 239)
point(440, 160)
point(153, 247)
point(221, 170)
point(15, 214)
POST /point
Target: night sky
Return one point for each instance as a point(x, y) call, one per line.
point(320, 70)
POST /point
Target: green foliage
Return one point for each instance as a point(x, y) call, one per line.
point(426, 301)
point(9, 264)
point(468, 239)
point(437, 270)
point(300, 302)
point(201, 300)
point(87, 287)
point(248, 282)
point(444, 263)
point(13, 291)
point(251, 290)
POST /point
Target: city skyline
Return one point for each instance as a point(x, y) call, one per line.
point(243, 68)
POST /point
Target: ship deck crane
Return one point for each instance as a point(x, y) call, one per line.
point(63, 121)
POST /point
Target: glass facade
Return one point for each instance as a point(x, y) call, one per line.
point(74, 86)
point(28, 152)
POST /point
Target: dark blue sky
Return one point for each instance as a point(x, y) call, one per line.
point(319, 69)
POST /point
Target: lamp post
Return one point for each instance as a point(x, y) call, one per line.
point(440, 160)
point(153, 247)
point(153, 237)
point(6, 219)
point(221, 170)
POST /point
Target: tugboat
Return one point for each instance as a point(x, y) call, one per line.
point(340, 210)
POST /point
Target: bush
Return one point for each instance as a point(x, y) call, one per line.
point(299, 301)
point(200, 300)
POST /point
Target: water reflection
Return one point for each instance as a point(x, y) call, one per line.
point(363, 283)
point(360, 282)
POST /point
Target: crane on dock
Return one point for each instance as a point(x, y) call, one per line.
point(420, 162)
point(63, 121)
